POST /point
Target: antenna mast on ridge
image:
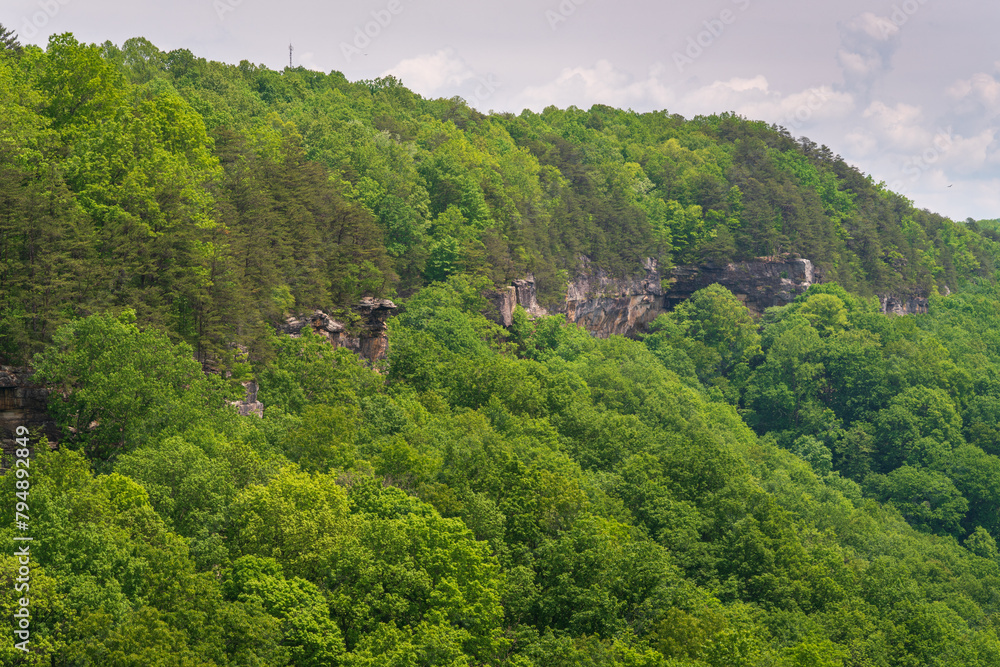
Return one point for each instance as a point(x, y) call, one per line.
point(290, 48)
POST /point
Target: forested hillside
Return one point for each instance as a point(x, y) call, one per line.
point(818, 487)
point(213, 198)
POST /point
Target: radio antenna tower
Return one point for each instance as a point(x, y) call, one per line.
point(290, 48)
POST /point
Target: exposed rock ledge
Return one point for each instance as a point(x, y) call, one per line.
point(503, 301)
point(22, 403)
point(759, 284)
point(607, 305)
point(371, 341)
point(249, 405)
point(903, 305)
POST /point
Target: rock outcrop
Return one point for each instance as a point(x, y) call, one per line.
point(759, 284)
point(23, 403)
point(501, 305)
point(373, 342)
point(503, 301)
point(369, 340)
point(249, 405)
point(903, 305)
point(606, 305)
point(527, 297)
point(321, 323)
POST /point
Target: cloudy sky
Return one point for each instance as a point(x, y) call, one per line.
point(906, 90)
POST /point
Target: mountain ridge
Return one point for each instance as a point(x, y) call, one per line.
point(203, 194)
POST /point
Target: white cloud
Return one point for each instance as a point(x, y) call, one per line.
point(798, 110)
point(867, 44)
point(600, 84)
point(981, 87)
point(310, 61)
point(860, 142)
point(750, 96)
point(899, 126)
point(728, 95)
point(432, 74)
point(918, 147)
point(875, 28)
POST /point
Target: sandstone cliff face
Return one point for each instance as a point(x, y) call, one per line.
point(525, 294)
point(758, 284)
point(902, 305)
point(503, 301)
point(22, 403)
point(371, 341)
point(501, 305)
point(606, 305)
point(249, 405)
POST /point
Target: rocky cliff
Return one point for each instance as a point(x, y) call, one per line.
point(759, 284)
point(902, 305)
point(607, 305)
point(23, 403)
point(369, 339)
point(249, 405)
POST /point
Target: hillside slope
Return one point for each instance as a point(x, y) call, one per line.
point(214, 198)
point(814, 486)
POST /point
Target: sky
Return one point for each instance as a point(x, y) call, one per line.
point(908, 91)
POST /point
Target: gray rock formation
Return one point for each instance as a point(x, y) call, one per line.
point(501, 305)
point(503, 301)
point(321, 323)
point(527, 297)
point(373, 342)
point(759, 284)
point(23, 403)
point(369, 340)
point(606, 305)
point(249, 405)
point(900, 305)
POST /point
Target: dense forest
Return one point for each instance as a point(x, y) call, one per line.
point(816, 487)
point(213, 198)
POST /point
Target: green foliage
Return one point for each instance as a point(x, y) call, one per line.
point(311, 636)
point(8, 40)
point(309, 370)
point(214, 198)
point(924, 497)
point(528, 496)
point(712, 329)
point(118, 387)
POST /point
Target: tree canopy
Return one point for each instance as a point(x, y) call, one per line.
point(819, 486)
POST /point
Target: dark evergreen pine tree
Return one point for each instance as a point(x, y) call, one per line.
point(8, 40)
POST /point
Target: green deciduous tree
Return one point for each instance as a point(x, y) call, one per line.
point(117, 387)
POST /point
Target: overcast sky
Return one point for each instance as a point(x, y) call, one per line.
point(907, 90)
